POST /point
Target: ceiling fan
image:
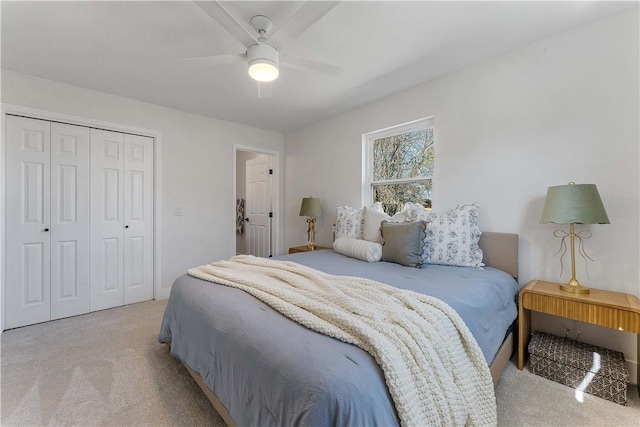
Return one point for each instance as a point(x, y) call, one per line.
point(263, 55)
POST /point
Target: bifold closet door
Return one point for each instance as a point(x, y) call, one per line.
point(138, 218)
point(107, 219)
point(28, 243)
point(69, 220)
point(121, 219)
point(47, 221)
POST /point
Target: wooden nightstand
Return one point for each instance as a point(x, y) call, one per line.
point(614, 310)
point(305, 248)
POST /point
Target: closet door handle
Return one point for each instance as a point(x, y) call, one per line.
point(126, 226)
point(45, 230)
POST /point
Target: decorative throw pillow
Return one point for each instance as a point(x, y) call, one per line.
point(372, 219)
point(452, 236)
point(357, 248)
point(349, 222)
point(399, 217)
point(403, 242)
point(377, 206)
point(415, 212)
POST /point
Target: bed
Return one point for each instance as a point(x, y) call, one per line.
point(257, 367)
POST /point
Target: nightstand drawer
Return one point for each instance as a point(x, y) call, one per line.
point(614, 310)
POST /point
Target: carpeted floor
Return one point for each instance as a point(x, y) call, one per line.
point(107, 368)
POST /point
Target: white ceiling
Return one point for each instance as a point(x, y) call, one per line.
point(134, 49)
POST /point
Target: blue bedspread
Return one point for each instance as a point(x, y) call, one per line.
point(268, 370)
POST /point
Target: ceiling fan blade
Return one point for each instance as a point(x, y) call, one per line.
point(222, 16)
point(299, 63)
point(301, 20)
point(218, 59)
point(264, 90)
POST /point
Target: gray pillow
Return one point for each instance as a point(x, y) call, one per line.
point(403, 242)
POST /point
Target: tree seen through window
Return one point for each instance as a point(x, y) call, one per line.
point(402, 169)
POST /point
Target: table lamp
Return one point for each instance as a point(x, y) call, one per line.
point(311, 207)
point(573, 204)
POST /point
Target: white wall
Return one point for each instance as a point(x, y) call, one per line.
point(197, 167)
point(241, 190)
point(564, 109)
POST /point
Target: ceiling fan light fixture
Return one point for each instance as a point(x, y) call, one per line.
point(263, 71)
point(263, 62)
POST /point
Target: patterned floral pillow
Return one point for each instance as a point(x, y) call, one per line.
point(349, 222)
point(452, 236)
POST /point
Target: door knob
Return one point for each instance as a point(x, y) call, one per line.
point(246, 219)
point(45, 230)
point(126, 226)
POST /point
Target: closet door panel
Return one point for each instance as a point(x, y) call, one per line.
point(27, 246)
point(69, 220)
point(107, 219)
point(138, 218)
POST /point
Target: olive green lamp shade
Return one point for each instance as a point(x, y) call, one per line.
point(310, 207)
point(574, 204)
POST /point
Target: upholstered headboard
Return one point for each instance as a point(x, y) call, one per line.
point(500, 250)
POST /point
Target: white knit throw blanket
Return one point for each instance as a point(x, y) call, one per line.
point(433, 367)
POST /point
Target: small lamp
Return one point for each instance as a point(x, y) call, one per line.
point(573, 204)
point(311, 207)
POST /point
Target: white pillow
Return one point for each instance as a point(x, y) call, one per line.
point(371, 228)
point(349, 222)
point(452, 236)
point(357, 248)
point(400, 217)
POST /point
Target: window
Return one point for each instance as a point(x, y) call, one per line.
point(398, 165)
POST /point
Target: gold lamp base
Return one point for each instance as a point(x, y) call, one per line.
point(311, 233)
point(574, 287)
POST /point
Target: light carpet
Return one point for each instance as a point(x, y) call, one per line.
point(107, 368)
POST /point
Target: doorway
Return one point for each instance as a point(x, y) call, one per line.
point(255, 188)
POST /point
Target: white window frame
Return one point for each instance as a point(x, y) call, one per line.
point(367, 155)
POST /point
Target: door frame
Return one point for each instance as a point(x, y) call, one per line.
point(275, 192)
point(34, 113)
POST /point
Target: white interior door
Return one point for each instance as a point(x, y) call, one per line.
point(69, 220)
point(258, 207)
point(138, 218)
point(107, 219)
point(27, 216)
